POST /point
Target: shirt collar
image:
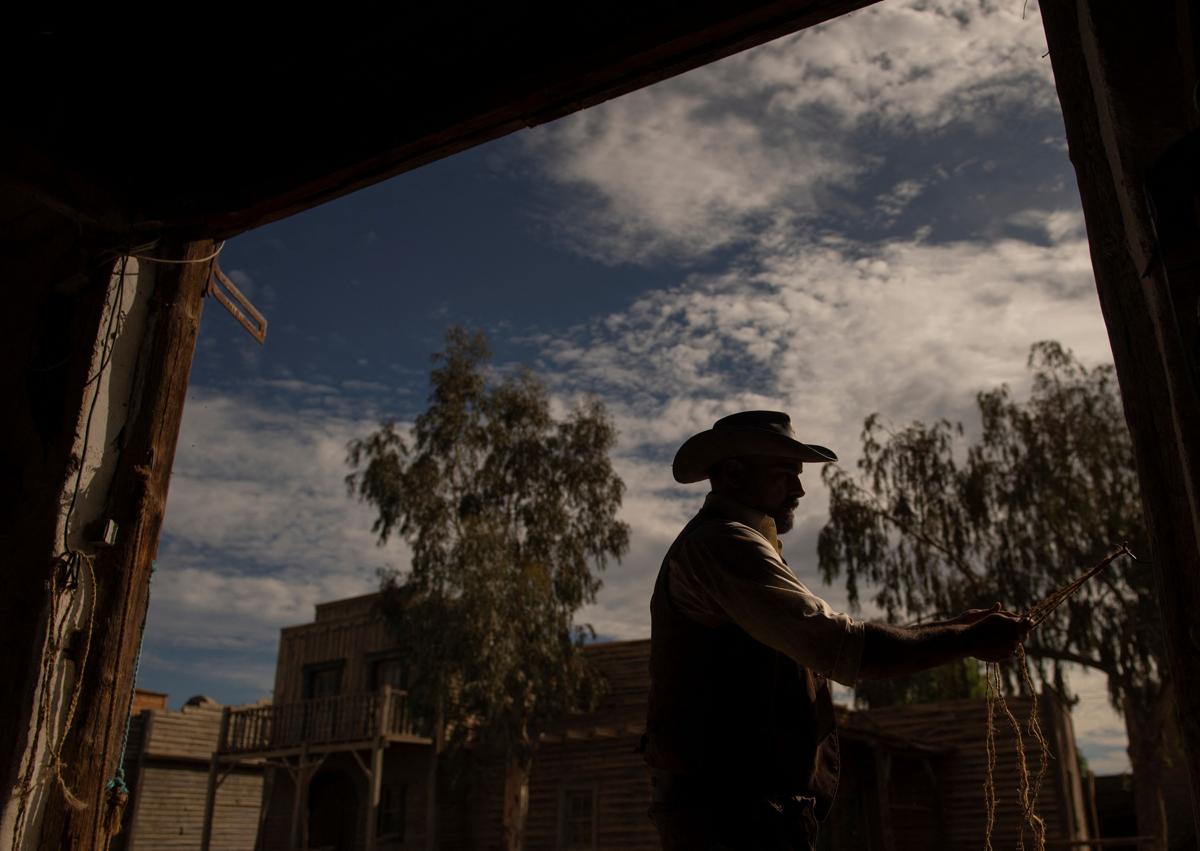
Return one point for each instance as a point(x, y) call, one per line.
point(762, 523)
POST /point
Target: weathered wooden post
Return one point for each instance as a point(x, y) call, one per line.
point(214, 768)
point(122, 413)
point(1126, 75)
point(300, 782)
point(383, 720)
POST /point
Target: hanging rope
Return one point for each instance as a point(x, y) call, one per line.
point(1028, 791)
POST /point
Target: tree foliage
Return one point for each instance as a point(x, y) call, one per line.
point(961, 679)
point(510, 514)
point(935, 524)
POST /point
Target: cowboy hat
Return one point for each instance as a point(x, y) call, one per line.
point(745, 433)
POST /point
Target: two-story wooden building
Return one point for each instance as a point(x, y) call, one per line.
point(350, 768)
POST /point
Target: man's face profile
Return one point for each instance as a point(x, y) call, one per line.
point(770, 484)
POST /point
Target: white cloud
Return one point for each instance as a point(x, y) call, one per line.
point(661, 173)
point(835, 332)
point(764, 141)
point(914, 65)
point(259, 527)
point(1055, 225)
point(893, 202)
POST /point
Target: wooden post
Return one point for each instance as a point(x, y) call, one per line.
point(270, 772)
point(214, 767)
point(374, 789)
point(150, 371)
point(53, 315)
point(383, 720)
point(431, 783)
point(1126, 77)
point(300, 784)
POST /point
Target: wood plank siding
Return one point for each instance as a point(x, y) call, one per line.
point(349, 632)
point(912, 777)
point(167, 761)
point(961, 727)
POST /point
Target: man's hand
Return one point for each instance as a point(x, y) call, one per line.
point(993, 635)
point(988, 634)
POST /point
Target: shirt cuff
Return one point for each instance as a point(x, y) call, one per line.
point(849, 658)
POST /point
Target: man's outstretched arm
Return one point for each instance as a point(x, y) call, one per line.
point(892, 651)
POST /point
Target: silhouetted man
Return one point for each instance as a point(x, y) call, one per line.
point(740, 732)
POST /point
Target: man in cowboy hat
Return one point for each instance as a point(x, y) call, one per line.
point(740, 733)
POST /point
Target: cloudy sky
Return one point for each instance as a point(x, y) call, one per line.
point(877, 214)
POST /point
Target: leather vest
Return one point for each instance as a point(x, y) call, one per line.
point(731, 714)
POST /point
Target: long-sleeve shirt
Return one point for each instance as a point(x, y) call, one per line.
point(734, 571)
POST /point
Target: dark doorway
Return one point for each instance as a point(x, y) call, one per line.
point(332, 812)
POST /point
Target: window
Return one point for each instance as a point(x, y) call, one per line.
point(577, 820)
point(323, 680)
point(388, 671)
point(393, 802)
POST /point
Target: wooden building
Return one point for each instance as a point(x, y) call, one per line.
point(167, 766)
point(340, 737)
point(347, 767)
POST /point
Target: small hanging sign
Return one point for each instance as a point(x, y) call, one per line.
point(239, 307)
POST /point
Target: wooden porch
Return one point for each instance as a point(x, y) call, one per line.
point(297, 738)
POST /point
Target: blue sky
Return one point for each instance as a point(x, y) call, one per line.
point(877, 214)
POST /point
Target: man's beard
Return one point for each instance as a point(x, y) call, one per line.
point(785, 517)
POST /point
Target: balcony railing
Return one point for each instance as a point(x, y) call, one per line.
point(320, 721)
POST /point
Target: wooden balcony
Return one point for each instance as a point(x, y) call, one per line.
point(343, 722)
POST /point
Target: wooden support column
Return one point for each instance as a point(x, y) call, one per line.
point(383, 721)
point(374, 789)
point(104, 591)
point(300, 787)
point(52, 317)
point(214, 767)
point(1126, 77)
point(431, 783)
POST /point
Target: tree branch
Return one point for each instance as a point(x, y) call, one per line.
point(963, 568)
point(1067, 656)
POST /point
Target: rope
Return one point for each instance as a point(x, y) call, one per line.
point(68, 559)
point(149, 259)
point(1028, 791)
point(56, 759)
point(1042, 610)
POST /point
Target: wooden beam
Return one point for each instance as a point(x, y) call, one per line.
point(374, 790)
point(210, 798)
point(555, 69)
point(51, 318)
point(155, 378)
point(299, 786)
point(1126, 77)
point(353, 99)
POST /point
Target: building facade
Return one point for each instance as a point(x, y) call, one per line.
point(167, 763)
point(349, 767)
